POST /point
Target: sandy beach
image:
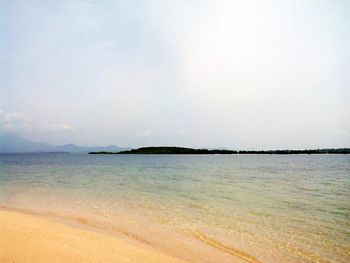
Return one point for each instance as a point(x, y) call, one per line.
point(30, 238)
point(34, 236)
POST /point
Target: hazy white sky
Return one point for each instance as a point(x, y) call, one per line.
point(236, 74)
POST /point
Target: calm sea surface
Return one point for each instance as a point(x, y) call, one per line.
point(276, 208)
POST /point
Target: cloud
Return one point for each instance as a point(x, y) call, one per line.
point(20, 123)
point(239, 74)
point(13, 122)
point(100, 45)
point(145, 134)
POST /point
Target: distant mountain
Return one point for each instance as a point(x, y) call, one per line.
point(11, 143)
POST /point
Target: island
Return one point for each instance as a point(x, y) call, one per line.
point(184, 150)
point(169, 150)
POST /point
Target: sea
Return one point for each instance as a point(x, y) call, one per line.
point(202, 208)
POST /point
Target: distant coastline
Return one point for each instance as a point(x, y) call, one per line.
point(184, 150)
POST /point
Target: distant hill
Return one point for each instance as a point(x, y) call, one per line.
point(168, 150)
point(182, 150)
point(11, 143)
point(175, 150)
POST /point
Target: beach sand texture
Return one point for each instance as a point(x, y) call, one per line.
point(29, 238)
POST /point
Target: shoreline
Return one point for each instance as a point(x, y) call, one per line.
point(284, 209)
point(58, 234)
point(26, 237)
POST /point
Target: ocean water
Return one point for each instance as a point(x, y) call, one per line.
point(249, 208)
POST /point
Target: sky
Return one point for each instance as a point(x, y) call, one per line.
point(238, 74)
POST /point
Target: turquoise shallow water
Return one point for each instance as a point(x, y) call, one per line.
point(277, 208)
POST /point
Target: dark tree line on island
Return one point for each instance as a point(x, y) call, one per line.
point(183, 150)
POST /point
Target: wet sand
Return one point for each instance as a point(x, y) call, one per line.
point(34, 236)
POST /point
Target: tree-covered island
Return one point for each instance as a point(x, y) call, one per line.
point(184, 150)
